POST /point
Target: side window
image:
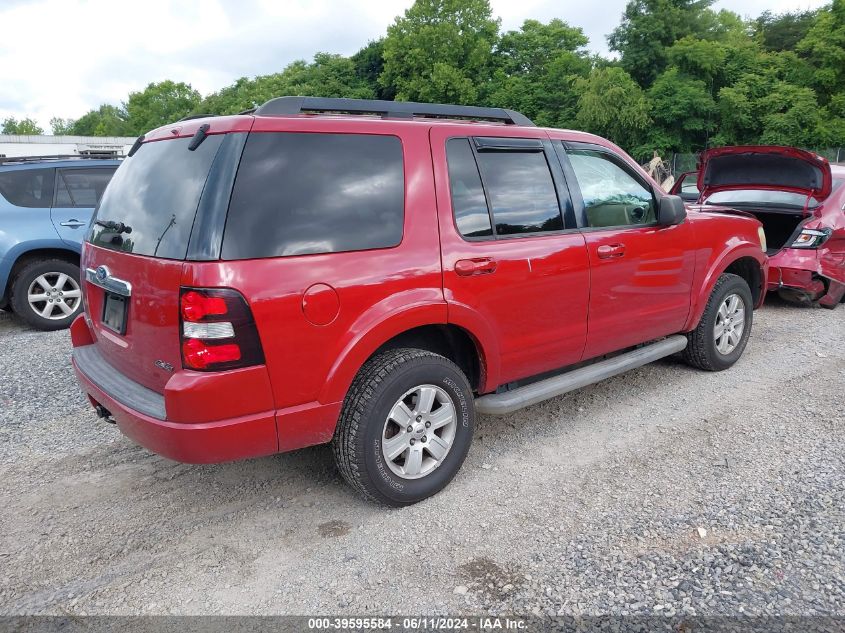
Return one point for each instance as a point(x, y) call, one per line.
point(612, 196)
point(468, 202)
point(28, 187)
point(690, 184)
point(520, 192)
point(304, 193)
point(82, 187)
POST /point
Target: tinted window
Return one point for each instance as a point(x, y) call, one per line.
point(81, 187)
point(468, 202)
point(28, 187)
point(298, 193)
point(612, 196)
point(522, 194)
point(156, 193)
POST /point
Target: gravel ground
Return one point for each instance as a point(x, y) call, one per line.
point(664, 491)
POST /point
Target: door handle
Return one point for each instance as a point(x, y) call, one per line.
point(73, 224)
point(476, 266)
point(608, 251)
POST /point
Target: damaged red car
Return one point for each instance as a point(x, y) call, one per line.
point(800, 199)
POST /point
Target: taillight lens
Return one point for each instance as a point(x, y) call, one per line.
point(217, 330)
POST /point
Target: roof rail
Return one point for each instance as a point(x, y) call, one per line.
point(27, 159)
point(391, 109)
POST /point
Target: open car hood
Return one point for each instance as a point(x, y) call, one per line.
point(764, 167)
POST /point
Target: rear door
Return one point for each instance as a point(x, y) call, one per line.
point(641, 273)
point(78, 190)
point(512, 256)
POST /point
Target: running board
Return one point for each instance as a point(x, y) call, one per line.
point(510, 401)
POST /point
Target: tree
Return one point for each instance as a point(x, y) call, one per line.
point(649, 27)
point(369, 65)
point(440, 50)
point(25, 126)
point(782, 32)
point(159, 104)
point(107, 120)
point(611, 104)
point(62, 126)
point(824, 48)
point(536, 68)
point(683, 111)
point(327, 76)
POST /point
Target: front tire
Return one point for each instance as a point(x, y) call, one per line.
point(46, 294)
point(722, 334)
point(405, 427)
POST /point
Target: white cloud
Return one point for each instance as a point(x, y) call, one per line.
point(64, 57)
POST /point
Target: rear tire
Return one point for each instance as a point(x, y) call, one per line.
point(412, 403)
point(710, 345)
point(46, 294)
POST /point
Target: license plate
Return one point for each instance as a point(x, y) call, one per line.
point(114, 313)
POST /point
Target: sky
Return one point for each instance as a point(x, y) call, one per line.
point(64, 57)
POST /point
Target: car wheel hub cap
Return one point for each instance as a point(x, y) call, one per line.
point(54, 296)
point(419, 432)
point(730, 324)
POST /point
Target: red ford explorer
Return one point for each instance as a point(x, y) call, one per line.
point(373, 273)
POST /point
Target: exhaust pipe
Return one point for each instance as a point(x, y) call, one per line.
point(104, 413)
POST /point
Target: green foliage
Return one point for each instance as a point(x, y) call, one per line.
point(25, 126)
point(783, 32)
point(650, 27)
point(62, 126)
point(441, 50)
point(158, 104)
point(687, 76)
point(611, 104)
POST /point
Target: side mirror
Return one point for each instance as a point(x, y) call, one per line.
point(671, 211)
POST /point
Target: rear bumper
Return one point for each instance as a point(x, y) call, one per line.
point(798, 276)
point(140, 414)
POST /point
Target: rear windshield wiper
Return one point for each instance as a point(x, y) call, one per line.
point(117, 227)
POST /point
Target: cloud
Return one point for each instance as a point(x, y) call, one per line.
point(64, 57)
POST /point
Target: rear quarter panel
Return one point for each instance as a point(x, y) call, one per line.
point(377, 293)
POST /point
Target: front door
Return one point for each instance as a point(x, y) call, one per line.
point(512, 260)
point(641, 273)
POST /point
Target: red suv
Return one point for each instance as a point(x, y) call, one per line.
point(372, 273)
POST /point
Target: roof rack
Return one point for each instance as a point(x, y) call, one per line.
point(28, 159)
point(390, 109)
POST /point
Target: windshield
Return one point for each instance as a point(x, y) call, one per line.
point(762, 198)
point(150, 203)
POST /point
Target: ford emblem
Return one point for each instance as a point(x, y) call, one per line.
point(102, 273)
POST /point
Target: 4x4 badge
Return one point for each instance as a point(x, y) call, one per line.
point(164, 365)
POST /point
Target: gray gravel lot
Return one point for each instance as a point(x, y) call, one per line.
point(663, 491)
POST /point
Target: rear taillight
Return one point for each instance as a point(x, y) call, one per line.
point(217, 330)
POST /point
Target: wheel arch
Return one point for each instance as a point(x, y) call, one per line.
point(26, 252)
point(745, 260)
point(421, 327)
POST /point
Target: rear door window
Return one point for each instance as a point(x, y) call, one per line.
point(28, 187)
point(502, 189)
point(306, 193)
point(82, 187)
point(155, 193)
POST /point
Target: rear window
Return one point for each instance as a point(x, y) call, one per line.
point(762, 198)
point(28, 187)
point(304, 193)
point(155, 193)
